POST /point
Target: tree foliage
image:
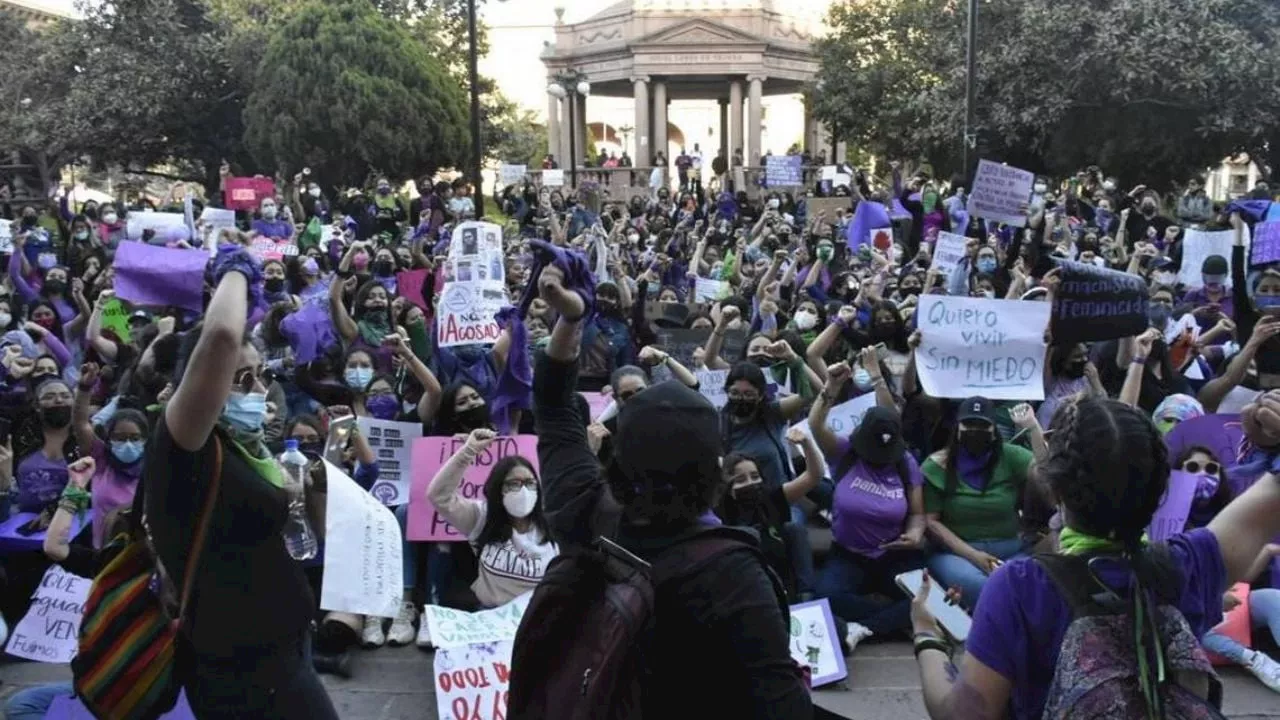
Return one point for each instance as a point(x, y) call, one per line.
point(344, 89)
point(1151, 90)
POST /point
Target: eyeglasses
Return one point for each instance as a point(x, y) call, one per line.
point(1193, 467)
point(515, 484)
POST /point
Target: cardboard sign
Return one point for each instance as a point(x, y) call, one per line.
point(167, 226)
point(512, 174)
point(472, 681)
point(975, 346)
point(783, 170)
point(947, 253)
point(1094, 303)
point(6, 236)
point(843, 419)
point(474, 286)
point(711, 385)
point(115, 317)
point(553, 178)
point(430, 454)
point(815, 644)
point(451, 628)
point(1266, 243)
point(245, 193)
point(363, 572)
point(217, 218)
point(1000, 193)
point(392, 443)
point(50, 631)
point(708, 290)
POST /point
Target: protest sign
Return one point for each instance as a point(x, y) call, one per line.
point(829, 172)
point(1000, 193)
point(147, 275)
point(245, 193)
point(167, 225)
point(976, 346)
point(828, 206)
point(783, 170)
point(410, 284)
point(267, 249)
point(553, 178)
point(363, 572)
point(14, 538)
point(217, 218)
point(50, 631)
point(429, 454)
point(6, 236)
point(842, 419)
point(815, 644)
point(1094, 303)
point(1200, 244)
point(711, 385)
point(69, 707)
point(472, 681)
point(511, 174)
point(708, 290)
point(681, 344)
point(474, 286)
point(391, 443)
point(451, 628)
point(1266, 243)
point(1171, 514)
point(597, 402)
point(115, 317)
point(947, 253)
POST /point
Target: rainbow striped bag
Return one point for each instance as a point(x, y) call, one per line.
point(128, 660)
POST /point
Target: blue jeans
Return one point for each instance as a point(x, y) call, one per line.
point(439, 562)
point(800, 550)
point(34, 702)
point(848, 581)
point(1264, 611)
point(953, 571)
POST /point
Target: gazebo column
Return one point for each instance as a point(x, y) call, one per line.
point(643, 154)
point(660, 119)
point(755, 117)
point(735, 119)
point(553, 127)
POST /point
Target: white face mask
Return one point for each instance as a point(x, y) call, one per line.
point(773, 204)
point(110, 218)
point(633, 238)
point(520, 504)
point(1108, 186)
point(1164, 277)
point(1040, 188)
point(269, 212)
point(805, 320)
point(315, 192)
point(5, 319)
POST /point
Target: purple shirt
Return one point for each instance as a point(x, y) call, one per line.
point(40, 481)
point(110, 490)
point(870, 505)
point(278, 229)
point(1021, 620)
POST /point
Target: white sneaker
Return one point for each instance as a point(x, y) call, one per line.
point(855, 634)
point(401, 632)
point(424, 634)
point(372, 637)
point(1265, 669)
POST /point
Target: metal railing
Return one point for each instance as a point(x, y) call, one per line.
point(636, 180)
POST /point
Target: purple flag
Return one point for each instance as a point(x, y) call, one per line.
point(1175, 507)
point(869, 215)
point(147, 275)
point(309, 330)
point(67, 707)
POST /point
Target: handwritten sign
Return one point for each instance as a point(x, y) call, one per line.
point(681, 344)
point(511, 174)
point(474, 286)
point(947, 253)
point(783, 170)
point(597, 402)
point(451, 628)
point(553, 178)
point(391, 443)
point(1094, 303)
point(1175, 507)
point(1000, 192)
point(975, 346)
point(245, 193)
point(363, 571)
point(217, 218)
point(814, 643)
point(410, 284)
point(708, 290)
point(166, 225)
point(711, 385)
point(6, 236)
point(266, 249)
point(50, 631)
point(843, 419)
point(115, 317)
point(1200, 244)
point(472, 681)
point(1266, 243)
point(430, 454)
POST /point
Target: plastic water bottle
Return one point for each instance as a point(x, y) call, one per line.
point(298, 537)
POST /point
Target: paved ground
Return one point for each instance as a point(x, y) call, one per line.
point(395, 684)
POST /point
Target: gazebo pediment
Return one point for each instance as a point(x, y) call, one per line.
point(697, 32)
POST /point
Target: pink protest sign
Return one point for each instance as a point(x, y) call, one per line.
point(244, 193)
point(409, 284)
point(597, 402)
point(1171, 515)
point(430, 454)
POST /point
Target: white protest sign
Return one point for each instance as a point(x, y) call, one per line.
point(363, 573)
point(217, 218)
point(711, 385)
point(451, 628)
point(511, 174)
point(50, 631)
point(474, 286)
point(829, 172)
point(553, 178)
point(814, 643)
point(472, 681)
point(1200, 244)
point(391, 443)
point(975, 346)
point(6, 236)
point(842, 419)
point(265, 249)
point(1000, 192)
point(708, 290)
point(167, 225)
point(947, 253)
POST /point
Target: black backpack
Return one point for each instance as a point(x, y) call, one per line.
point(580, 651)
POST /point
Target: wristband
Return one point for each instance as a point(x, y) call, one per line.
point(1138, 360)
point(74, 499)
point(931, 643)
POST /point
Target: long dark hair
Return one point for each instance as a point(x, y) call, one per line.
point(497, 524)
point(1223, 496)
point(446, 421)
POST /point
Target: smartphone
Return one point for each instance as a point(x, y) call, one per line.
point(339, 432)
point(954, 621)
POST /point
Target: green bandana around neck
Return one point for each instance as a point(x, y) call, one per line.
point(251, 446)
point(1074, 542)
point(373, 328)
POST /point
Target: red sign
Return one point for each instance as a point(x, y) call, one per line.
point(246, 193)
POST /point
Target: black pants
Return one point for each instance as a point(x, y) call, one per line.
point(271, 682)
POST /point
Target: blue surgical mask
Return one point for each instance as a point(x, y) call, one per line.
point(127, 451)
point(1159, 315)
point(245, 411)
point(862, 379)
point(1266, 302)
point(986, 264)
point(358, 378)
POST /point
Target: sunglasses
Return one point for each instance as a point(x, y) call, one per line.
point(1193, 467)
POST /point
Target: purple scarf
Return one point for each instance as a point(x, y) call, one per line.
point(515, 385)
point(309, 330)
point(973, 470)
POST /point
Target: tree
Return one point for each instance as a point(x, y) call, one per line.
point(510, 134)
point(1151, 90)
point(343, 89)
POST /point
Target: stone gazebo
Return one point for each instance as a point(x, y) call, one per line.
point(656, 51)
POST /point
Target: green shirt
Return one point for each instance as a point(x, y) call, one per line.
point(990, 514)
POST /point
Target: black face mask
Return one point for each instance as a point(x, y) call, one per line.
point(56, 418)
point(384, 268)
point(476, 417)
point(1074, 369)
point(748, 497)
point(975, 442)
point(28, 222)
point(55, 287)
point(313, 450)
point(273, 285)
point(743, 408)
point(909, 291)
